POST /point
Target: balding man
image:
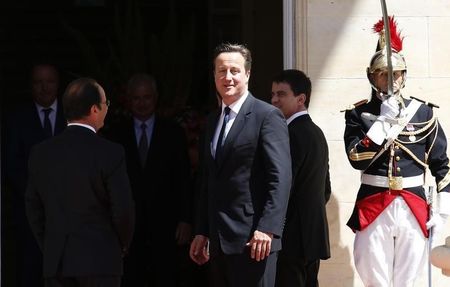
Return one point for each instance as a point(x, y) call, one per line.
point(78, 200)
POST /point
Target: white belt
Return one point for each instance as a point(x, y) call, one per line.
point(383, 181)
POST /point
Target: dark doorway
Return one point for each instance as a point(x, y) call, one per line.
point(110, 40)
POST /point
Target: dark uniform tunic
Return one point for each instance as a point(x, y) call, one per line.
point(421, 144)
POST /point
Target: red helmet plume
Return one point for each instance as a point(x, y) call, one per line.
point(396, 37)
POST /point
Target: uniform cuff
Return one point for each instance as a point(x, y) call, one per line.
point(443, 202)
point(377, 132)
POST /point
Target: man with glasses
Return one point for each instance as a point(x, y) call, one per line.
point(78, 200)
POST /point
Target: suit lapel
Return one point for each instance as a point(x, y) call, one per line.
point(60, 122)
point(36, 129)
point(238, 126)
point(154, 143)
point(129, 136)
point(209, 133)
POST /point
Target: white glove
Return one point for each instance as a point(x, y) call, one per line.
point(437, 221)
point(390, 108)
point(439, 217)
point(378, 132)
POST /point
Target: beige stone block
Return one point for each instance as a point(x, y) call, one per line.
point(415, 45)
point(338, 275)
point(339, 47)
point(345, 8)
point(324, 8)
point(439, 43)
point(329, 97)
point(344, 178)
point(341, 236)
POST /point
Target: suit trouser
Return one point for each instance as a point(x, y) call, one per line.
point(134, 264)
point(392, 249)
point(83, 281)
point(28, 254)
point(298, 272)
point(240, 270)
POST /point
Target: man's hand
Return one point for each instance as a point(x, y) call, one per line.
point(199, 251)
point(260, 245)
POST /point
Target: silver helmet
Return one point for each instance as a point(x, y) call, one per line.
point(378, 62)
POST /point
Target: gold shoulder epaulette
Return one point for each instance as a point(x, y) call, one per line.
point(357, 104)
point(431, 105)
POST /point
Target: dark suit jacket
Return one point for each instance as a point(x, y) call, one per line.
point(162, 184)
point(23, 131)
point(249, 188)
point(306, 231)
point(79, 204)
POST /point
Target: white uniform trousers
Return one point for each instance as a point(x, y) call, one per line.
point(392, 250)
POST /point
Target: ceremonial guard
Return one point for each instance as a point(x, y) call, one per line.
point(393, 140)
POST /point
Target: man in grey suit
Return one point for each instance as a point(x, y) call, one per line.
point(305, 237)
point(78, 199)
point(245, 182)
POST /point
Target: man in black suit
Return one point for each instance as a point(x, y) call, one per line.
point(78, 198)
point(305, 237)
point(158, 166)
point(247, 177)
point(25, 126)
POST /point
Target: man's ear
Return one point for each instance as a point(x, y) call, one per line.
point(301, 99)
point(94, 109)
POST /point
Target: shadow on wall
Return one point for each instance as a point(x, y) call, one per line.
point(336, 271)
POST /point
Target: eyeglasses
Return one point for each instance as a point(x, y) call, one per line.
point(107, 103)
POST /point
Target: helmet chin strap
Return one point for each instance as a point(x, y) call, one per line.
point(382, 95)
